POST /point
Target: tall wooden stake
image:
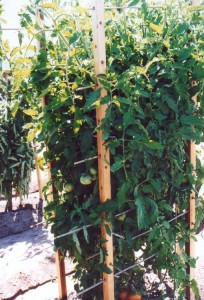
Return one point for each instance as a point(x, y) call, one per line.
point(192, 204)
point(190, 246)
point(60, 265)
point(103, 152)
point(39, 179)
point(191, 220)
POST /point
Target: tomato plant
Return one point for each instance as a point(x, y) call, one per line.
point(152, 58)
point(16, 153)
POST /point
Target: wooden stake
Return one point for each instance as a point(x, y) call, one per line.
point(191, 220)
point(61, 275)
point(191, 209)
point(60, 265)
point(190, 246)
point(39, 179)
point(103, 152)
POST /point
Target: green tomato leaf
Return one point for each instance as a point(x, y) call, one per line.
point(91, 99)
point(76, 240)
point(154, 145)
point(116, 166)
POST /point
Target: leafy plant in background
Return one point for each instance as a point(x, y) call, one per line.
point(153, 56)
point(16, 154)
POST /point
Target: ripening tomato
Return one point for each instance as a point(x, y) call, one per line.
point(134, 297)
point(123, 295)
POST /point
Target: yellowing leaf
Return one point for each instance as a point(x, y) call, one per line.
point(22, 60)
point(80, 9)
point(30, 112)
point(72, 109)
point(74, 86)
point(14, 109)
point(156, 28)
point(40, 162)
point(31, 30)
point(67, 34)
point(6, 46)
point(155, 59)
point(195, 7)
point(166, 44)
point(28, 125)
point(86, 27)
point(50, 5)
point(97, 103)
point(76, 129)
point(15, 50)
point(25, 73)
point(31, 136)
point(79, 122)
point(31, 48)
point(3, 21)
point(117, 103)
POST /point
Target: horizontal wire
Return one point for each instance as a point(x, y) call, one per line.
point(134, 265)
point(133, 7)
point(84, 88)
point(141, 234)
point(86, 226)
point(124, 212)
point(24, 29)
point(84, 160)
point(7, 29)
point(118, 235)
point(92, 256)
point(72, 231)
point(144, 233)
point(88, 289)
point(90, 225)
point(37, 224)
point(118, 269)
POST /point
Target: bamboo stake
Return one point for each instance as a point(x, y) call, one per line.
point(103, 152)
point(60, 265)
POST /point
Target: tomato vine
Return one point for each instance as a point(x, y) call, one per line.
point(152, 58)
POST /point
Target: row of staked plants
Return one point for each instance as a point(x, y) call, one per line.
point(16, 153)
point(153, 55)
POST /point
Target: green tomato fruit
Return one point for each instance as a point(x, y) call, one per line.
point(121, 217)
point(94, 177)
point(58, 185)
point(85, 179)
point(93, 171)
point(68, 187)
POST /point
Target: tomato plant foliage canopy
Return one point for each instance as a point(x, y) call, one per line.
point(153, 55)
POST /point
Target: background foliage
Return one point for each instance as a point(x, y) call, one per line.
point(16, 153)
